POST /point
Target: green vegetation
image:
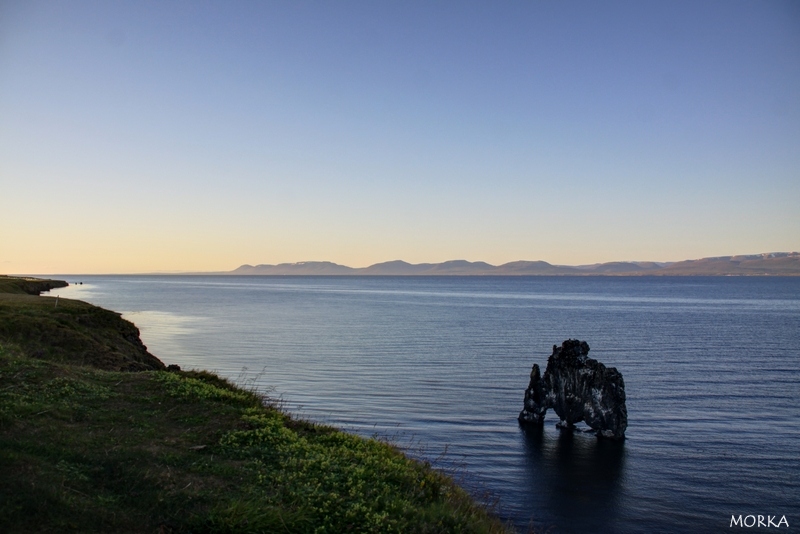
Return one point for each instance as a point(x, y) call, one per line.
point(88, 449)
point(27, 286)
point(69, 331)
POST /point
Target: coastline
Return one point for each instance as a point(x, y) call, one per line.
point(766, 264)
point(96, 434)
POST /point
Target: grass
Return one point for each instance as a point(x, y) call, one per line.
point(85, 449)
point(71, 331)
point(27, 286)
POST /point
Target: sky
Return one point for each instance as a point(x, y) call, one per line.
point(141, 136)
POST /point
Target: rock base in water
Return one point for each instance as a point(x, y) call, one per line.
point(579, 389)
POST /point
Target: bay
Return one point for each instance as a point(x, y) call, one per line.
point(439, 366)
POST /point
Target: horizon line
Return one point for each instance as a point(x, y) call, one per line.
point(661, 264)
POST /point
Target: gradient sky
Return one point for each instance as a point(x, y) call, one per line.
point(158, 136)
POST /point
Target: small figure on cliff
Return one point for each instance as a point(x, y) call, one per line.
point(578, 388)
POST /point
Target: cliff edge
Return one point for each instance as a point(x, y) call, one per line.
point(69, 331)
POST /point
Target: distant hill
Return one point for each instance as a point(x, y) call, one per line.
point(395, 268)
point(534, 268)
point(776, 263)
point(301, 268)
point(769, 264)
point(627, 267)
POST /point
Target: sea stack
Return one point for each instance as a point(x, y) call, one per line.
point(578, 388)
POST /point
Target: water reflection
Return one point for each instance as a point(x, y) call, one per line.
point(164, 333)
point(576, 477)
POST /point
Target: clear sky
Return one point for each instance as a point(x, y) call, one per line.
point(200, 135)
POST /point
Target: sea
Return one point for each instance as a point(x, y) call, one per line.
point(439, 366)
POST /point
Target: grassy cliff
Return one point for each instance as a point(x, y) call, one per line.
point(10, 285)
point(69, 331)
point(96, 436)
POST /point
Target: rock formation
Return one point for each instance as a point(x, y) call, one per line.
point(578, 388)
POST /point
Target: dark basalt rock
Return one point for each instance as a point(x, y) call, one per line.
point(578, 388)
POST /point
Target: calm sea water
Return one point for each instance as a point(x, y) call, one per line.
point(440, 365)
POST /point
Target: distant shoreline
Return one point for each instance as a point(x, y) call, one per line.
point(767, 264)
point(225, 274)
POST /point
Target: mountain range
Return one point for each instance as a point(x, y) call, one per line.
point(773, 263)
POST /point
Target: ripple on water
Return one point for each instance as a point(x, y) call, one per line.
point(440, 364)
